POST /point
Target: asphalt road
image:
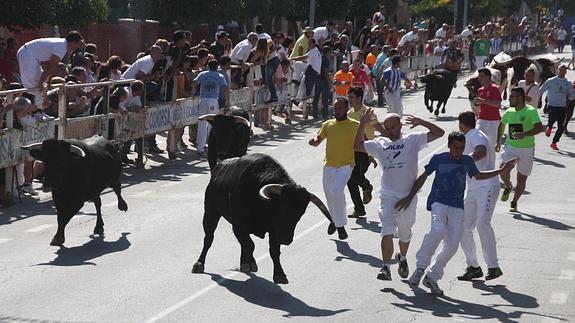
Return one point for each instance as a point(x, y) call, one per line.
point(140, 270)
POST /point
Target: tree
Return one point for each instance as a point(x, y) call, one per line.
point(65, 13)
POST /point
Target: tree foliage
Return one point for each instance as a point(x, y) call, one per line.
point(65, 13)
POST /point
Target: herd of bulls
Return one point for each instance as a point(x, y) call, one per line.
point(505, 72)
point(253, 192)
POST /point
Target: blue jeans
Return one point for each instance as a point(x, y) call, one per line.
point(271, 67)
point(322, 87)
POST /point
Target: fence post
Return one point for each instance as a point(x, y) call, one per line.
point(62, 107)
point(9, 171)
point(171, 146)
point(139, 143)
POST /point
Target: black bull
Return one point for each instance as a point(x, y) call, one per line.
point(229, 135)
point(76, 172)
point(257, 196)
point(438, 87)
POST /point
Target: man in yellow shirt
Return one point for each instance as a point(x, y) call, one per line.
point(338, 162)
point(342, 80)
point(358, 179)
point(301, 45)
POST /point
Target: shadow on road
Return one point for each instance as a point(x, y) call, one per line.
point(365, 224)
point(552, 224)
point(349, 254)
point(262, 292)
point(95, 248)
point(548, 162)
point(447, 307)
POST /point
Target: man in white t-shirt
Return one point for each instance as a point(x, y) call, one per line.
point(531, 88)
point(411, 37)
point(398, 156)
point(51, 50)
point(438, 53)
point(142, 68)
point(479, 202)
point(441, 33)
point(561, 37)
point(241, 51)
point(313, 58)
point(322, 33)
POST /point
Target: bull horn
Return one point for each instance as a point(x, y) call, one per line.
point(315, 200)
point(242, 120)
point(37, 145)
point(207, 117)
point(267, 190)
point(77, 150)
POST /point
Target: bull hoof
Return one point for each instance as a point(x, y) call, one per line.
point(443, 110)
point(331, 229)
point(57, 241)
point(198, 268)
point(122, 206)
point(430, 109)
point(245, 268)
point(99, 231)
point(436, 112)
point(253, 267)
point(281, 279)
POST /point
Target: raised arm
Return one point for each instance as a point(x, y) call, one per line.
point(435, 131)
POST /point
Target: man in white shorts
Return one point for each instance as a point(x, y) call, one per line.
point(391, 83)
point(523, 123)
point(51, 50)
point(479, 203)
point(398, 156)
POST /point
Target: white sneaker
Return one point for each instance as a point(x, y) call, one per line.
point(27, 188)
point(432, 285)
point(416, 277)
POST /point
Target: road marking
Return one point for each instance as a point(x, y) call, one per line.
point(559, 298)
point(142, 193)
point(567, 275)
point(5, 240)
point(40, 228)
point(213, 285)
point(194, 175)
point(272, 148)
point(111, 204)
point(172, 183)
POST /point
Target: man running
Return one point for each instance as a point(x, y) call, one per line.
point(445, 202)
point(479, 202)
point(489, 100)
point(397, 154)
point(338, 162)
point(559, 90)
point(391, 83)
point(523, 124)
point(357, 180)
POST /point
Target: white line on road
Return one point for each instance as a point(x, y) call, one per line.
point(559, 298)
point(213, 285)
point(142, 193)
point(110, 204)
point(5, 240)
point(40, 228)
point(567, 275)
point(170, 184)
point(272, 148)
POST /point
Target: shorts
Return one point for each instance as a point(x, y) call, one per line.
point(393, 221)
point(524, 158)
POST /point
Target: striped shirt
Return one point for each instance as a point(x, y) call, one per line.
point(392, 77)
point(496, 44)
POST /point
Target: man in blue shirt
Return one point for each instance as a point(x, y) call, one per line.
point(445, 202)
point(211, 82)
point(391, 83)
point(559, 91)
point(375, 72)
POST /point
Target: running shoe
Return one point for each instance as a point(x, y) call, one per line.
point(27, 188)
point(513, 207)
point(342, 234)
point(506, 192)
point(554, 146)
point(548, 131)
point(403, 268)
point(416, 277)
point(331, 229)
point(356, 214)
point(471, 273)
point(384, 273)
point(493, 273)
point(367, 194)
point(432, 285)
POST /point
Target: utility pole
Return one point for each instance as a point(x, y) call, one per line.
point(312, 13)
point(465, 4)
point(455, 13)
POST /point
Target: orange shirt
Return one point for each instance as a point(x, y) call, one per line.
point(342, 76)
point(370, 60)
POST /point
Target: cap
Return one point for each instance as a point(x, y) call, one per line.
point(307, 30)
point(222, 34)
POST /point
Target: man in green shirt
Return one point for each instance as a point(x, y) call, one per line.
point(523, 123)
point(301, 46)
point(481, 49)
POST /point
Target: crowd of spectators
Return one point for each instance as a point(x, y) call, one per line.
point(324, 62)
